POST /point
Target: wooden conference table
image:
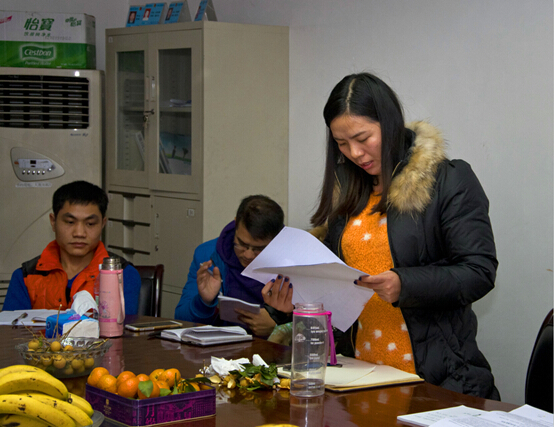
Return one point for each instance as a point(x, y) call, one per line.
point(140, 353)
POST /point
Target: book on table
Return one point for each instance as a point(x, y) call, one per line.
point(354, 374)
point(227, 306)
point(207, 335)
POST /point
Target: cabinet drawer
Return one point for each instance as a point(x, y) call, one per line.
point(115, 206)
point(141, 236)
point(115, 234)
point(141, 209)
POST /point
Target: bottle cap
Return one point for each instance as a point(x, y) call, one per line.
point(111, 263)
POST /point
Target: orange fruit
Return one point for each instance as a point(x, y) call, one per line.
point(155, 391)
point(195, 385)
point(163, 384)
point(155, 374)
point(143, 377)
point(128, 387)
point(125, 375)
point(95, 375)
point(171, 376)
point(108, 383)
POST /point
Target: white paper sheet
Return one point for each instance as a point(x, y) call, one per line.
point(34, 317)
point(316, 273)
point(489, 419)
point(429, 417)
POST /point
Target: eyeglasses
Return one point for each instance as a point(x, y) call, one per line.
point(243, 248)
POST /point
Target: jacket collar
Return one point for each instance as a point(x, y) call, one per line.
point(412, 187)
point(50, 259)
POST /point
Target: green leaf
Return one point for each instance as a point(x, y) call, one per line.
point(146, 387)
point(164, 392)
point(189, 388)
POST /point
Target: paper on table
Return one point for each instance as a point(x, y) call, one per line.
point(316, 273)
point(488, 419)
point(357, 374)
point(427, 418)
point(34, 317)
point(538, 415)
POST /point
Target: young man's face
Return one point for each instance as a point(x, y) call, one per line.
point(78, 228)
point(246, 247)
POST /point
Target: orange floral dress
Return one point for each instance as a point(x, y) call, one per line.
point(382, 333)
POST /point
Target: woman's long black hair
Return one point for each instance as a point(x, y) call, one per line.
point(367, 96)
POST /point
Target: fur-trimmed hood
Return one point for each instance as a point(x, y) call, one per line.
point(412, 187)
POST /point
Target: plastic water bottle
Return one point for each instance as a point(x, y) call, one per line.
point(310, 349)
point(111, 302)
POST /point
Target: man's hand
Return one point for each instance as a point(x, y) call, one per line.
point(277, 293)
point(260, 324)
point(387, 285)
point(208, 284)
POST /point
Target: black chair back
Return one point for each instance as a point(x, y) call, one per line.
point(150, 299)
point(538, 386)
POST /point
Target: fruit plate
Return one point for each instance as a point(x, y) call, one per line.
point(157, 410)
point(97, 419)
point(87, 354)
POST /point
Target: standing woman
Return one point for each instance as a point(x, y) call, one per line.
point(417, 223)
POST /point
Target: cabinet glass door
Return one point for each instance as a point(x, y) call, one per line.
point(126, 94)
point(175, 154)
point(177, 105)
point(130, 150)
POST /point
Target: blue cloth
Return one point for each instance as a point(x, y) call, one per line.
point(17, 297)
point(191, 307)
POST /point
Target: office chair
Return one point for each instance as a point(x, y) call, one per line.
point(150, 298)
point(538, 385)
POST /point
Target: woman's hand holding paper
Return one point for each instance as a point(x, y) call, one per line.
point(387, 285)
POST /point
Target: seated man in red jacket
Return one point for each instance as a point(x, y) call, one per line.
point(70, 263)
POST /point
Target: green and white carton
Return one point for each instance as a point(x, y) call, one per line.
point(47, 40)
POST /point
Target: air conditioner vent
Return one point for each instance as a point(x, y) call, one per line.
point(44, 102)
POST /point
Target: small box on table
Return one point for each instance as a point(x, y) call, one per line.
point(157, 410)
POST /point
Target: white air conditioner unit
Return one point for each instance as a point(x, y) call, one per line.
point(51, 133)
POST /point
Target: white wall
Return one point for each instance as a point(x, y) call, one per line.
point(481, 70)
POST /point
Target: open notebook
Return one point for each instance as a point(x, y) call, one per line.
point(207, 335)
point(227, 306)
point(353, 374)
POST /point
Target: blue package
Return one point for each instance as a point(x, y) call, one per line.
point(68, 316)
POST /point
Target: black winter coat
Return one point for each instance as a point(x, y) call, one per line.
point(443, 250)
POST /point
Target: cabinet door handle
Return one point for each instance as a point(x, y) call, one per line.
point(152, 89)
point(146, 88)
point(157, 226)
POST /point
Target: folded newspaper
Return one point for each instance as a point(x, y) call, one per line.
point(207, 335)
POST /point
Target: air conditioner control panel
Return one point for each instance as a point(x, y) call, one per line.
point(29, 165)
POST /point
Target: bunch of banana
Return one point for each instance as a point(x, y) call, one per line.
point(31, 397)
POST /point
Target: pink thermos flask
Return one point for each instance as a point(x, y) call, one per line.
point(111, 302)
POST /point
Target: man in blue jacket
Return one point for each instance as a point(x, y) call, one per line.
point(259, 219)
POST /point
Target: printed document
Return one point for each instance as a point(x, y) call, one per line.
point(316, 273)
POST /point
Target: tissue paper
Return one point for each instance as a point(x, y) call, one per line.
point(83, 302)
point(86, 328)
